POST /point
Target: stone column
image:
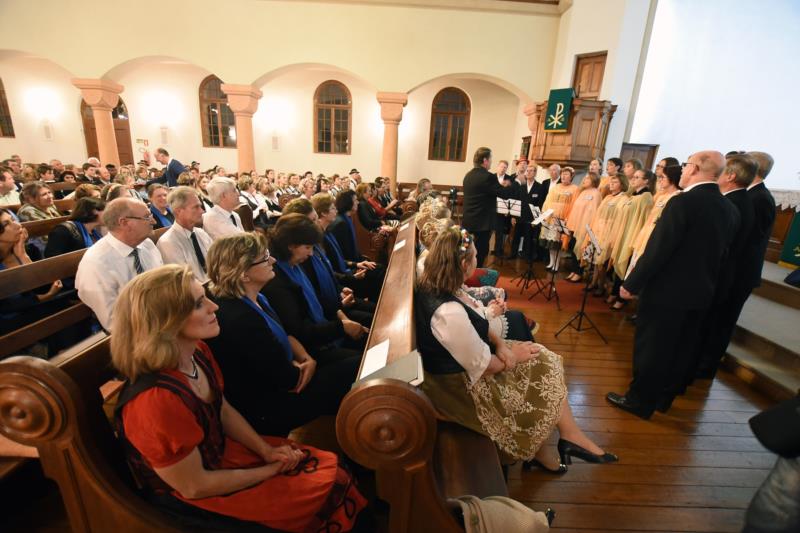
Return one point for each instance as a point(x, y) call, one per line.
point(102, 96)
point(243, 101)
point(392, 113)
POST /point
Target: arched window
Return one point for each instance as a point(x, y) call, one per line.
point(216, 118)
point(333, 110)
point(449, 125)
point(6, 127)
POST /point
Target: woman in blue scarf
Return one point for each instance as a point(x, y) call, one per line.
point(159, 207)
point(337, 300)
point(81, 230)
point(269, 375)
point(293, 297)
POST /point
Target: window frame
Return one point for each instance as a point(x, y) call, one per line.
point(204, 121)
point(333, 108)
point(459, 158)
point(5, 110)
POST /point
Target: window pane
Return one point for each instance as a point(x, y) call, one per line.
point(212, 90)
point(228, 126)
point(456, 137)
point(324, 130)
point(6, 127)
point(439, 136)
point(341, 129)
point(212, 125)
point(450, 100)
point(333, 93)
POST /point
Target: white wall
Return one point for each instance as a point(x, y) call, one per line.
point(617, 26)
point(731, 86)
point(286, 110)
point(159, 94)
point(493, 123)
point(38, 91)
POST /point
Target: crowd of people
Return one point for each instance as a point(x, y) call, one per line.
point(230, 339)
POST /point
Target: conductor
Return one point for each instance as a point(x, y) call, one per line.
point(481, 190)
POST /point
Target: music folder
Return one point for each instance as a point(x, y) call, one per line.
point(407, 368)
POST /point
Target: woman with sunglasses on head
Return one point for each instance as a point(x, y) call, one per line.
point(513, 392)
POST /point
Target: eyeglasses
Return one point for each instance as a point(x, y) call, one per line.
point(661, 166)
point(683, 165)
point(265, 260)
point(148, 218)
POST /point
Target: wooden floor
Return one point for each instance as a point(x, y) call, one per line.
point(693, 469)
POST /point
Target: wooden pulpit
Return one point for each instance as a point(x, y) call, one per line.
point(584, 140)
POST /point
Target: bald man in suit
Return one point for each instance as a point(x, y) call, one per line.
point(675, 280)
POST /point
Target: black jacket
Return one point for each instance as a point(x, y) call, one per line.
point(764, 218)
point(535, 197)
point(63, 239)
point(681, 263)
point(744, 248)
point(287, 298)
point(368, 217)
point(341, 231)
point(481, 190)
point(257, 372)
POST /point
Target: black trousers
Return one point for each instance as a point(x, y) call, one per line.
point(717, 332)
point(662, 352)
point(501, 229)
point(530, 236)
point(482, 245)
point(322, 396)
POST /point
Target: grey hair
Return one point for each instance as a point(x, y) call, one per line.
point(765, 162)
point(179, 196)
point(219, 186)
point(117, 209)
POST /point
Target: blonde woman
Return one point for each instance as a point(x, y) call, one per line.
point(183, 439)
point(512, 392)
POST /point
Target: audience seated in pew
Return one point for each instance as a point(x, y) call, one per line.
point(221, 220)
point(184, 243)
point(513, 392)
point(189, 447)
point(424, 185)
point(8, 188)
point(381, 201)
point(293, 298)
point(337, 301)
point(273, 380)
point(37, 205)
point(201, 186)
point(122, 253)
point(342, 247)
point(81, 230)
point(366, 212)
point(507, 324)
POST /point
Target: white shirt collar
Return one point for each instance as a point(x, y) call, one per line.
point(222, 210)
point(180, 229)
point(120, 247)
point(690, 187)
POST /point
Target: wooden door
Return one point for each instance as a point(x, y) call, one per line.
point(122, 131)
point(646, 153)
point(525, 149)
point(588, 76)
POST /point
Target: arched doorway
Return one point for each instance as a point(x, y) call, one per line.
point(122, 131)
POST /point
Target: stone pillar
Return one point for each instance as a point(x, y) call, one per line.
point(102, 96)
point(392, 113)
point(243, 101)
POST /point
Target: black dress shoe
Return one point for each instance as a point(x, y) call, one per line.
point(626, 404)
point(535, 463)
point(664, 405)
point(567, 450)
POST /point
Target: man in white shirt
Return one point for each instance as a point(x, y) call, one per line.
point(221, 220)
point(8, 188)
point(184, 243)
point(117, 258)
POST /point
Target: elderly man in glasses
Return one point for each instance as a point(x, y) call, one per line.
point(116, 258)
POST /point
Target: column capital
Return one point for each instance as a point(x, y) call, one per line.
point(242, 99)
point(392, 105)
point(529, 109)
point(99, 94)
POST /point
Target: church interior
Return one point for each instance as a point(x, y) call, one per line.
point(470, 245)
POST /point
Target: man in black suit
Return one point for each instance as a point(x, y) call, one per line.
point(502, 223)
point(530, 194)
point(734, 285)
point(173, 169)
point(675, 279)
point(764, 211)
point(481, 190)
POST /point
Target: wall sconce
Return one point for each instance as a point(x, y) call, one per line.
point(47, 127)
point(164, 138)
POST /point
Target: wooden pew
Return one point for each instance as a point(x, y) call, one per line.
point(41, 228)
point(391, 427)
point(246, 214)
point(373, 245)
point(286, 198)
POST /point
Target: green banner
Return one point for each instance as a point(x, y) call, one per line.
point(791, 246)
point(558, 108)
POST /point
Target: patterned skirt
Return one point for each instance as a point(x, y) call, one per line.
point(517, 409)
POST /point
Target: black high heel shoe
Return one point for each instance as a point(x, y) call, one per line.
point(550, 513)
point(567, 450)
point(535, 463)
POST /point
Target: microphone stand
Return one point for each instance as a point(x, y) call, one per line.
point(581, 314)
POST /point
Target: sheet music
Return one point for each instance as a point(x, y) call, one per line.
point(544, 216)
point(535, 211)
point(509, 207)
point(375, 359)
point(593, 239)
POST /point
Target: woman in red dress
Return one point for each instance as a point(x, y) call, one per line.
point(185, 443)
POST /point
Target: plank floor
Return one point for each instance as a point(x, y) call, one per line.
point(695, 468)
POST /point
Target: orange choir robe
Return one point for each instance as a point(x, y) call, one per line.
point(560, 200)
point(604, 186)
point(601, 225)
point(630, 222)
point(582, 213)
point(640, 242)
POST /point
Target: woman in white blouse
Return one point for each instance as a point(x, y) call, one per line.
point(513, 392)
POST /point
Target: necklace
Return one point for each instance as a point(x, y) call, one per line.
point(194, 374)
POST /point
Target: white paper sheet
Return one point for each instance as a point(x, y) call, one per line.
point(375, 359)
point(399, 245)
